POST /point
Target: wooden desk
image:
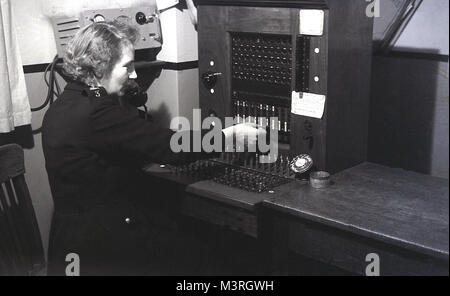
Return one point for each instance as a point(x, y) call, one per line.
point(216, 203)
point(401, 216)
point(220, 220)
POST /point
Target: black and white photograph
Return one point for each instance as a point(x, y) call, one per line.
point(224, 144)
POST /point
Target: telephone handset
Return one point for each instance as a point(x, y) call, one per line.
point(134, 94)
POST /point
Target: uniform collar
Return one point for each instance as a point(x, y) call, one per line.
point(86, 91)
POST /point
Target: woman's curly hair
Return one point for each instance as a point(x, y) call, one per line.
point(94, 50)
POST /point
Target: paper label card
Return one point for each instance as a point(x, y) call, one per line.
point(308, 104)
point(311, 22)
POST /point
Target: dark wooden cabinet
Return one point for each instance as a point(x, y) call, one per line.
point(257, 56)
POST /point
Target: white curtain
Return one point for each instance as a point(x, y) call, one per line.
point(14, 104)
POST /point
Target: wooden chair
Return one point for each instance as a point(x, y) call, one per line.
point(21, 250)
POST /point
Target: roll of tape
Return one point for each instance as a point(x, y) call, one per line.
point(319, 179)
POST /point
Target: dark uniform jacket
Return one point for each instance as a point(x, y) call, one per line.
point(92, 145)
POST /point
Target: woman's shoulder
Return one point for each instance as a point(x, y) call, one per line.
point(91, 104)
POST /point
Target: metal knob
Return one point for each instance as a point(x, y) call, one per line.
point(210, 79)
point(142, 19)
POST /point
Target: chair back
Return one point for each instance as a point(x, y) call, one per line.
point(21, 250)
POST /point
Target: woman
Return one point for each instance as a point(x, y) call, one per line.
point(91, 144)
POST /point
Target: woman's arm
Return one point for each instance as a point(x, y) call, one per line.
point(121, 132)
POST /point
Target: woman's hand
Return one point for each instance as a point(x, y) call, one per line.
point(246, 134)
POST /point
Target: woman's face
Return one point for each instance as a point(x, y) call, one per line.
point(121, 72)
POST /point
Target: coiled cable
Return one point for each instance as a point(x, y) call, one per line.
point(54, 90)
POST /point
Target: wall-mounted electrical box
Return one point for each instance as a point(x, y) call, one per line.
point(145, 19)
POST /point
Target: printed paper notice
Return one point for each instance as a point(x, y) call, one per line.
point(311, 22)
point(307, 104)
